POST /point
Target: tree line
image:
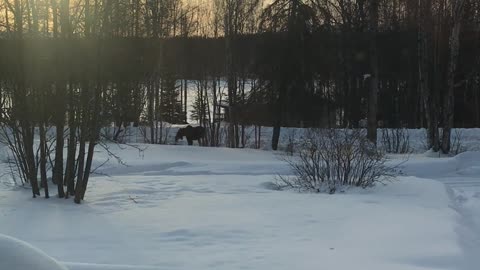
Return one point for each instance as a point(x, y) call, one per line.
point(75, 66)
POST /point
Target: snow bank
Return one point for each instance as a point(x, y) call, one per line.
point(425, 166)
point(19, 255)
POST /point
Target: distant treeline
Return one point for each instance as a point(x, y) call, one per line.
point(195, 57)
point(336, 59)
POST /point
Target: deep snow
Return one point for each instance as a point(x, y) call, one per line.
point(180, 207)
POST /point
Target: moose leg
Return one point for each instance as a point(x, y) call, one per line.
point(190, 141)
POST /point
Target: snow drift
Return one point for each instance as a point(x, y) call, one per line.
point(18, 255)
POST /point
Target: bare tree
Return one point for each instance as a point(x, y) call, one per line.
point(374, 76)
point(449, 99)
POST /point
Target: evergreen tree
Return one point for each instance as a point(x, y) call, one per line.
point(171, 108)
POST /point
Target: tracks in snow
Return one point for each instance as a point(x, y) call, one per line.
point(461, 176)
point(465, 195)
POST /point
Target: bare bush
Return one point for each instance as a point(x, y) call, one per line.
point(424, 140)
point(291, 141)
point(329, 159)
point(143, 133)
point(107, 132)
point(396, 140)
point(457, 143)
point(248, 134)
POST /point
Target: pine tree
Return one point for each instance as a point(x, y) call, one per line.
point(170, 106)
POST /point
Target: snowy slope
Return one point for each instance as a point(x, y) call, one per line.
point(178, 207)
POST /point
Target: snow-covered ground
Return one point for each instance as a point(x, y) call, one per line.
point(468, 139)
point(181, 207)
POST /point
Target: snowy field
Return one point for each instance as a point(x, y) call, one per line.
point(181, 207)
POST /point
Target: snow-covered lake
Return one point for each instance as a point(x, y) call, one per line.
point(181, 207)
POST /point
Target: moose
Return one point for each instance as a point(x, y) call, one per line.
point(192, 134)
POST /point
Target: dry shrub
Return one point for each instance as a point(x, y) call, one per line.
point(396, 140)
point(329, 159)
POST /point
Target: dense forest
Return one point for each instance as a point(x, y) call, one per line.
point(79, 65)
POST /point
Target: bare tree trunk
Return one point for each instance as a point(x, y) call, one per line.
point(216, 123)
point(88, 166)
point(43, 159)
point(33, 5)
point(448, 108)
point(258, 137)
point(424, 56)
point(82, 139)
point(88, 19)
point(29, 16)
point(72, 149)
point(185, 98)
point(477, 105)
point(55, 17)
point(41, 99)
point(60, 95)
point(151, 111)
point(94, 136)
point(279, 117)
point(232, 84)
point(276, 135)
point(373, 93)
point(81, 163)
point(243, 139)
point(157, 113)
point(231, 32)
point(29, 130)
point(58, 168)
